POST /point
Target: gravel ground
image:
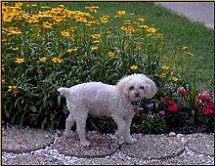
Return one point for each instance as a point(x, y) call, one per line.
point(173, 149)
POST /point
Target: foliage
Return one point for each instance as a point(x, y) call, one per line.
point(45, 47)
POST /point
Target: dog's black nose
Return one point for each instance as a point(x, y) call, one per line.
point(137, 95)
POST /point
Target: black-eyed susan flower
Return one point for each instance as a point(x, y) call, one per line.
point(43, 59)
point(140, 19)
point(92, 9)
point(47, 25)
point(143, 26)
point(134, 67)
point(95, 36)
point(94, 48)
point(120, 13)
point(19, 60)
point(165, 67)
point(72, 50)
point(96, 41)
point(56, 60)
point(12, 88)
point(110, 54)
point(151, 30)
point(163, 75)
point(189, 53)
point(184, 48)
point(104, 19)
point(15, 49)
point(65, 33)
point(175, 78)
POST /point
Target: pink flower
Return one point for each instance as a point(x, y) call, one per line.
point(204, 96)
point(163, 100)
point(182, 91)
point(173, 108)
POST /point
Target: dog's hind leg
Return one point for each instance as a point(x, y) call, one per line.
point(81, 119)
point(69, 123)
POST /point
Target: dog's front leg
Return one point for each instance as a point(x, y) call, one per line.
point(127, 136)
point(120, 126)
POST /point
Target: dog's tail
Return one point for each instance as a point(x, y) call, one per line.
point(64, 91)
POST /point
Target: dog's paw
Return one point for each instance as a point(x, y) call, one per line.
point(85, 143)
point(130, 140)
point(68, 133)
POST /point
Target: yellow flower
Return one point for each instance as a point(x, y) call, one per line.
point(165, 67)
point(110, 54)
point(43, 59)
point(15, 48)
point(13, 31)
point(127, 22)
point(104, 19)
point(128, 30)
point(5, 9)
point(151, 30)
point(94, 48)
point(12, 88)
point(72, 50)
point(95, 36)
point(144, 26)
point(184, 48)
point(120, 13)
point(92, 9)
point(189, 53)
point(47, 25)
point(138, 49)
point(56, 60)
point(4, 39)
point(19, 60)
point(175, 78)
point(61, 6)
point(65, 33)
point(96, 41)
point(140, 19)
point(134, 67)
point(163, 75)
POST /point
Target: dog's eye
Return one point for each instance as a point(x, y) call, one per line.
point(141, 87)
point(130, 88)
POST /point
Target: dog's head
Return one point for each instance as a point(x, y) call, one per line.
point(136, 87)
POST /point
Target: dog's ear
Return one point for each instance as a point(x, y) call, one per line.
point(150, 88)
point(121, 86)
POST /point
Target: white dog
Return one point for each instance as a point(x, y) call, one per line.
point(117, 101)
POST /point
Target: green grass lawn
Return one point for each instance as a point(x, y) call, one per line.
point(177, 30)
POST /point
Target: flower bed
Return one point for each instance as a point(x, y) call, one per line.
point(45, 47)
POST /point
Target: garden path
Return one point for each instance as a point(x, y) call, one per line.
point(26, 146)
point(202, 12)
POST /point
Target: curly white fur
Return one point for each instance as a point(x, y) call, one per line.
point(97, 98)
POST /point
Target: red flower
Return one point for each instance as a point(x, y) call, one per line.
point(170, 102)
point(208, 112)
point(173, 108)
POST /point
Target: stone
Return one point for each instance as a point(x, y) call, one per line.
point(201, 143)
point(31, 159)
point(154, 147)
point(18, 140)
point(101, 146)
